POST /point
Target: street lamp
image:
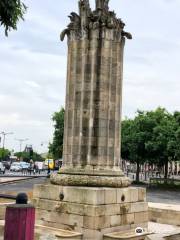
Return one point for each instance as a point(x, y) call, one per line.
point(20, 143)
point(4, 134)
point(49, 170)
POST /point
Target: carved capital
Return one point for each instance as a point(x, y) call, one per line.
point(81, 25)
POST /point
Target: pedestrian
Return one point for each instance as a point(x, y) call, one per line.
point(35, 169)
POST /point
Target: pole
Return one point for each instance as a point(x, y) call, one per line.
point(4, 136)
point(3, 143)
point(20, 144)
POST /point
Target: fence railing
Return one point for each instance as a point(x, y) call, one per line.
point(164, 181)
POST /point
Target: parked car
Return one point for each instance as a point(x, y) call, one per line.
point(2, 168)
point(24, 165)
point(16, 167)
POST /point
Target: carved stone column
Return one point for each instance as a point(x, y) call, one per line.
point(91, 153)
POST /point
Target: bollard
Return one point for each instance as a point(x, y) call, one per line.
point(20, 220)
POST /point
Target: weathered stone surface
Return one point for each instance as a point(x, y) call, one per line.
point(90, 195)
point(126, 235)
point(139, 207)
point(141, 217)
point(142, 194)
point(98, 210)
point(2, 210)
point(164, 213)
point(96, 42)
point(47, 191)
point(83, 195)
point(90, 180)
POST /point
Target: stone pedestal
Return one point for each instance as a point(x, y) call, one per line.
point(91, 211)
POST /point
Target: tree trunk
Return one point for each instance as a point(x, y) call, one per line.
point(137, 171)
point(145, 173)
point(166, 170)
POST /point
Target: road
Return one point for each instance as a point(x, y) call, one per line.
point(163, 196)
point(23, 186)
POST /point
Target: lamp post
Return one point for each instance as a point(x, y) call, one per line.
point(20, 143)
point(4, 134)
point(49, 170)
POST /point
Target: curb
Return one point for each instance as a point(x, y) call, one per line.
point(19, 180)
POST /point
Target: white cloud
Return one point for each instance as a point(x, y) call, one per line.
point(32, 84)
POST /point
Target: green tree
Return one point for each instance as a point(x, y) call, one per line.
point(163, 137)
point(152, 137)
point(25, 156)
point(176, 143)
point(11, 11)
point(56, 147)
point(4, 153)
point(135, 134)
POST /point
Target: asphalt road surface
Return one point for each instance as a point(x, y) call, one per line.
point(163, 196)
point(22, 186)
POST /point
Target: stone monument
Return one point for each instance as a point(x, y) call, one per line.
point(91, 194)
point(93, 98)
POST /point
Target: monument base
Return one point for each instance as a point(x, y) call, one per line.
point(90, 180)
point(91, 211)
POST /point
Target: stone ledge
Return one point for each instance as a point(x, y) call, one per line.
point(92, 170)
point(89, 195)
point(128, 235)
point(164, 213)
point(59, 233)
point(89, 181)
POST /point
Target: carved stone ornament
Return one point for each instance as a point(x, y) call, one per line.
point(101, 18)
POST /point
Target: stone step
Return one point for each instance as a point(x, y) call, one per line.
point(49, 233)
point(127, 235)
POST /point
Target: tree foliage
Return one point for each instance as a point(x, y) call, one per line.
point(56, 147)
point(11, 11)
point(25, 156)
point(4, 153)
point(151, 137)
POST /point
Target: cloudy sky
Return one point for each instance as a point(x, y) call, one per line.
point(33, 64)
